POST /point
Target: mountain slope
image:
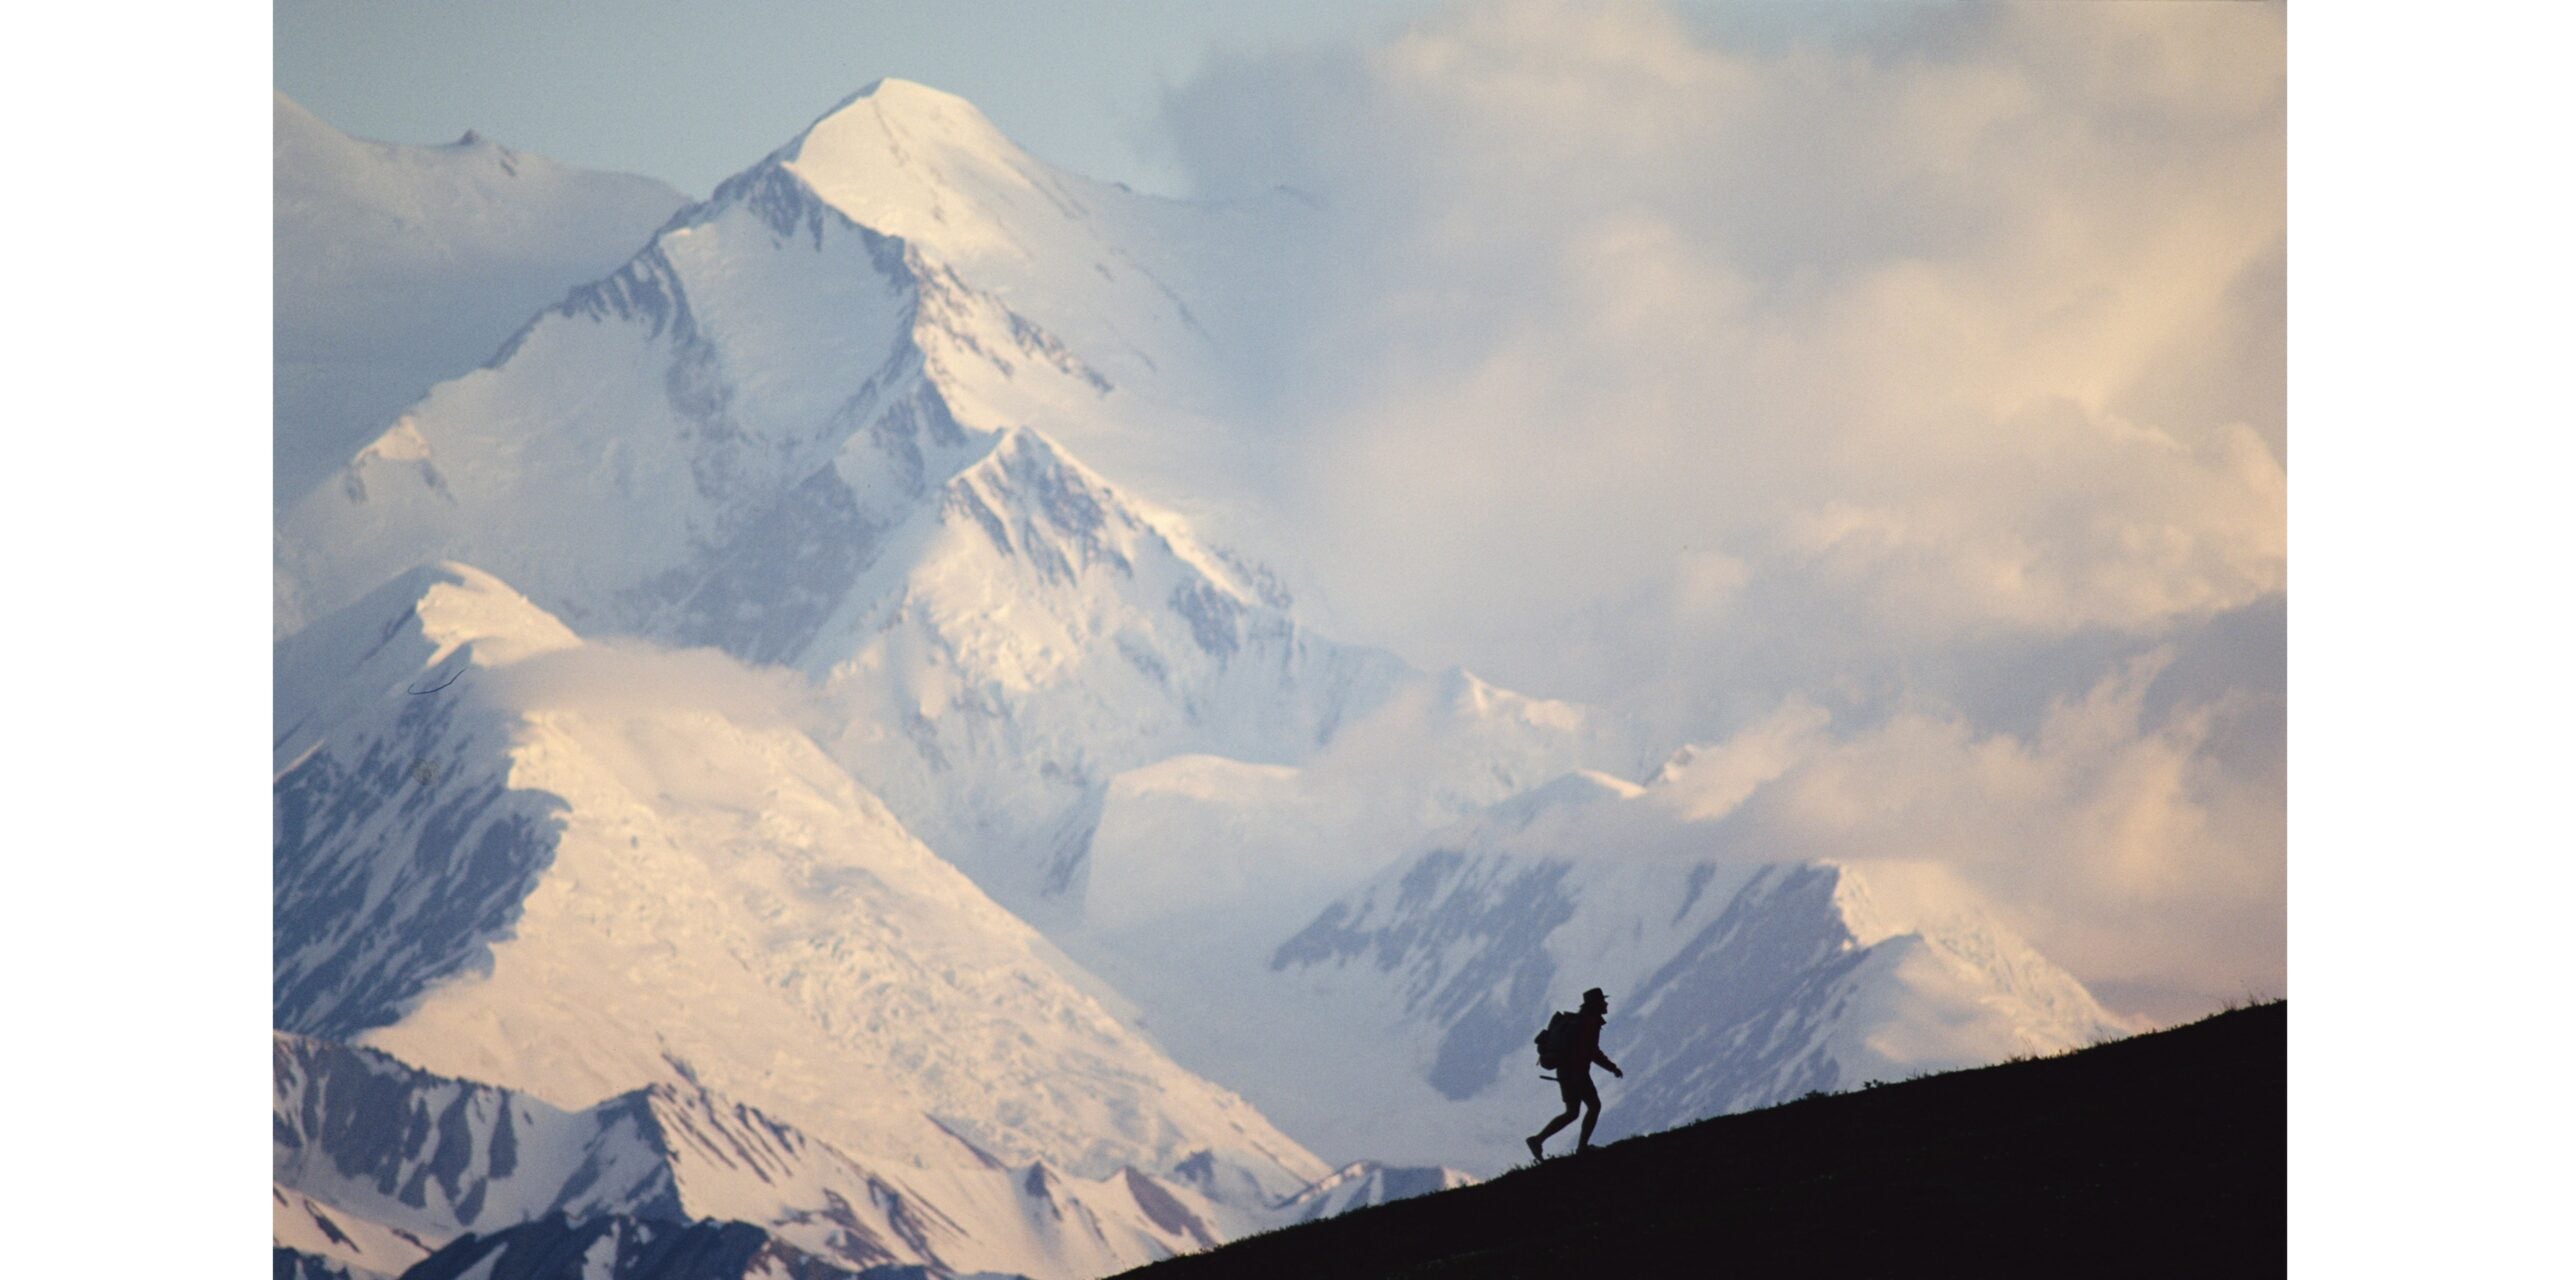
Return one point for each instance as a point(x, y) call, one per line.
point(398, 267)
point(538, 877)
point(1151, 294)
point(745, 343)
point(1365, 1184)
point(2159, 1155)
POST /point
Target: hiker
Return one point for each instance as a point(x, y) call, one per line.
point(1572, 1062)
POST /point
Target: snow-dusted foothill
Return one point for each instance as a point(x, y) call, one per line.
point(380, 1166)
point(1364, 1183)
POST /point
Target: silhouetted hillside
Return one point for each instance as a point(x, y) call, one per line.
point(2158, 1155)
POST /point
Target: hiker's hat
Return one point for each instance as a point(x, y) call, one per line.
point(1595, 996)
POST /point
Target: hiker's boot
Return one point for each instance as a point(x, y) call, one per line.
point(1537, 1153)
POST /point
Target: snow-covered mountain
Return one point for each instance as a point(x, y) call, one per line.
point(760, 331)
point(538, 878)
point(782, 433)
point(398, 267)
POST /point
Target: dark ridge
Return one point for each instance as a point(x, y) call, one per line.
point(294, 1264)
point(2157, 1155)
point(617, 1248)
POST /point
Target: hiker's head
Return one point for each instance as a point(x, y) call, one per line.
point(1595, 998)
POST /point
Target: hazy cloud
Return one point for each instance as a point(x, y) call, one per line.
point(1630, 314)
point(2123, 841)
point(627, 678)
point(1920, 364)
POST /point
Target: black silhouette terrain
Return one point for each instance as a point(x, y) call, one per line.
point(2160, 1155)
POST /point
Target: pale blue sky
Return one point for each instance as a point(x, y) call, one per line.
point(691, 93)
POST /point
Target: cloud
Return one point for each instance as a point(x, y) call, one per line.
point(2121, 840)
point(1920, 366)
point(624, 678)
point(1601, 301)
point(2123, 835)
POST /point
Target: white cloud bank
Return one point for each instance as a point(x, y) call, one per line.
point(2126, 843)
point(626, 678)
point(1922, 364)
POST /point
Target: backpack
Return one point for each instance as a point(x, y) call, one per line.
point(1555, 1044)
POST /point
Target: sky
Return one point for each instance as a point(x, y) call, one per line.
point(690, 94)
point(662, 88)
point(1901, 383)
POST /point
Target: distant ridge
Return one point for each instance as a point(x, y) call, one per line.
point(2159, 1155)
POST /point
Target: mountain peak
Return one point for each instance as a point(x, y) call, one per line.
point(890, 93)
point(899, 113)
point(927, 166)
point(411, 625)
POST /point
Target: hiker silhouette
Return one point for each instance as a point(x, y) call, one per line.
point(1572, 1060)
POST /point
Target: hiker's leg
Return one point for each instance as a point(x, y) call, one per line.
point(1572, 1108)
point(1590, 1121)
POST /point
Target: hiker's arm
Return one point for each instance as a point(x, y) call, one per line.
point(1603, 1060)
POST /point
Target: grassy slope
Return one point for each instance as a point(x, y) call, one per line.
point(2158, 1155)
